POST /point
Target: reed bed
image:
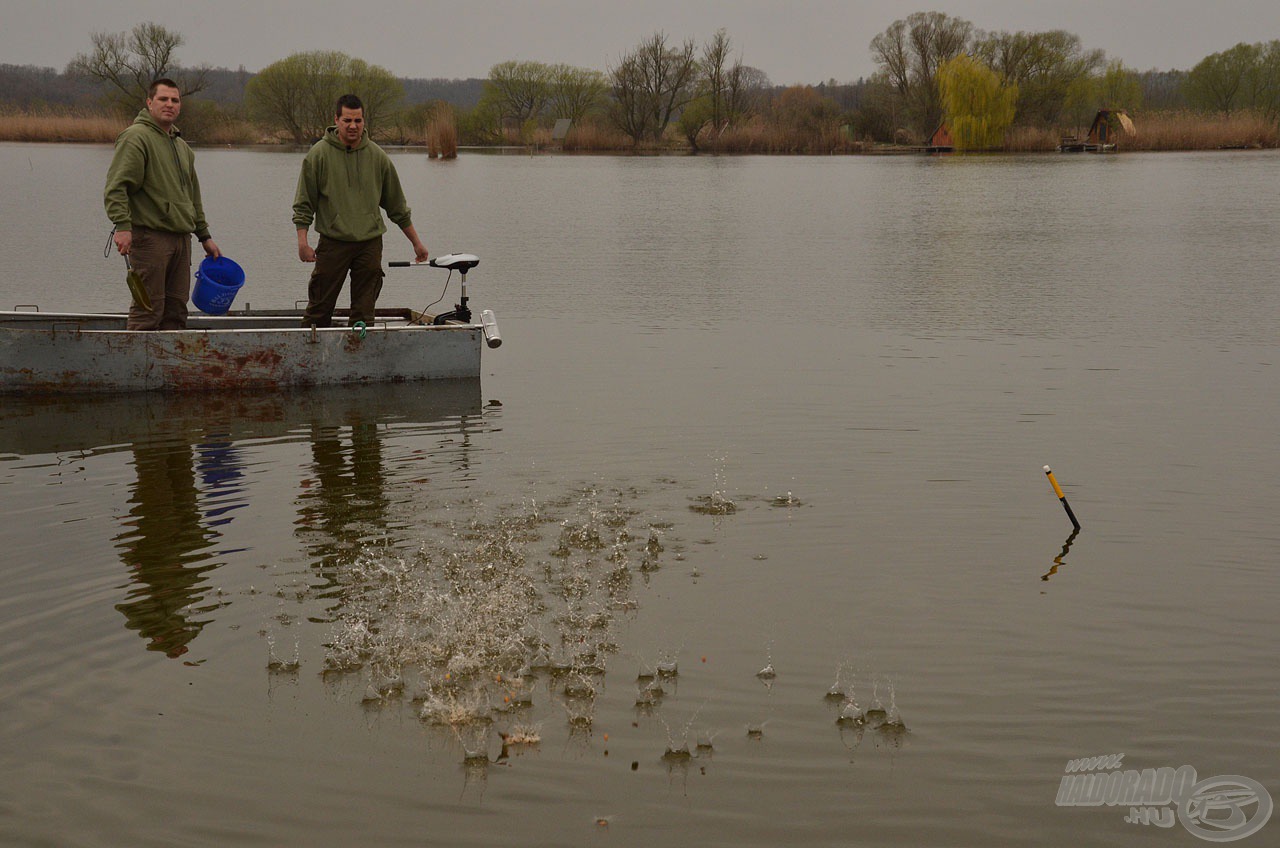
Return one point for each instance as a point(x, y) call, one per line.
point(60, 126)
point(592, 137)
point(762, 137)
point(102, 127)
point(442, 134)
point(1031, 140)
point(1198, 131)
point(1180, 130)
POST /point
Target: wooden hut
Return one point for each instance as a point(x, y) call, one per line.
point(940, 141)
point(1107, 127)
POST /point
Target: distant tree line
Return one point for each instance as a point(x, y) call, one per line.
point(931, 68)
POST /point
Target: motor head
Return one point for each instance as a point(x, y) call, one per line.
point(462, 262)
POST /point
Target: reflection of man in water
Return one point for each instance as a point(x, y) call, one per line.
point(349, 503)
point(160, 547)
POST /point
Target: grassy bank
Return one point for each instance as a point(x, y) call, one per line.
point(1155, 131)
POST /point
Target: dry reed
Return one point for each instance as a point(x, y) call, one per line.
point(1031, 140)
point(1180, 130)
point(1200, 131)
point(442, 134)
point(762, 137)
point(52, 125)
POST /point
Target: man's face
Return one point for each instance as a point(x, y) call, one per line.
point(350, 126)
point(165, 105)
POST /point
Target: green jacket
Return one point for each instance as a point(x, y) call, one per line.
point(152, 181)
point(341, 190)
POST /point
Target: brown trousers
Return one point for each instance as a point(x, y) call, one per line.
point(163, 262)
point(333, 260)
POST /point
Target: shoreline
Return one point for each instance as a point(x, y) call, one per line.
point(1157, 132)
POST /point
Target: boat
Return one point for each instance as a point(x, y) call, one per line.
point(71, 352)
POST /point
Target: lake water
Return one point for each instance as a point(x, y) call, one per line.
point(750, 413)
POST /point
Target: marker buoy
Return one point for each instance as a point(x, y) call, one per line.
point(1057, 490)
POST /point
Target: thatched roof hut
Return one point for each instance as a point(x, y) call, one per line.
point(1108, 124)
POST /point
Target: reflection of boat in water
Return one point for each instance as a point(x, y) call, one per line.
point(189, 456)
point(58, 424)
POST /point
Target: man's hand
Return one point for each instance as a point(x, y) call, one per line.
point(210, 247)
point(419, 249)
point(124, 241)
point(305, 253)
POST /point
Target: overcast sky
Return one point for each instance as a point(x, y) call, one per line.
point(798, 41)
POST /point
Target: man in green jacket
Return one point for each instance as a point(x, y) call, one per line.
point(346, 180)
point(153, 198)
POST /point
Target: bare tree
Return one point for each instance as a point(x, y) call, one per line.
point(746, 91)
point(911, 51)
point(128, 62)
point(651, 84)
point(629, 110)
point(716, 73)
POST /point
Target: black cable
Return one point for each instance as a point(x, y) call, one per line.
point(423, 311)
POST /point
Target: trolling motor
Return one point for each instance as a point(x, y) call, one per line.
point(462, 263)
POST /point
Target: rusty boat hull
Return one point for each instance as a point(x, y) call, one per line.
point(48, 352)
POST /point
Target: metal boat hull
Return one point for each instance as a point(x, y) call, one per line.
point(70, 352)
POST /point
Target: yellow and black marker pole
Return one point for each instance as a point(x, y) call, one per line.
point(1057, 490)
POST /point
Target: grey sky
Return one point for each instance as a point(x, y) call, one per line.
point(801, 41)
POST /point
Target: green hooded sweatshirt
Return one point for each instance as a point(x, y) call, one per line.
point(152, 181)
point(341, 190)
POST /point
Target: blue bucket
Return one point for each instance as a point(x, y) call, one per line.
point(217, 282)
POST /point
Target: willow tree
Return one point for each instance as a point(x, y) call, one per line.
point(977, 106)
point(297, 94)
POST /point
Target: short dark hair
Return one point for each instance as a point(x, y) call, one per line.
point(156, 83)
point(347, 101)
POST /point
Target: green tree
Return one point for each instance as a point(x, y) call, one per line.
point(1119, 88)
point(909, 53)
point(575, 92)
point(1246, 76)
point(128, 62)
point(1264, 80)
point(697, 115)
point(1218, 82)
point(1045, 66)
point(978, 106)
point(297, 94)
point(517, 91)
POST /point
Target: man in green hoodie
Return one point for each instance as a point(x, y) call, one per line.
point(153, 198)
point(346, 181)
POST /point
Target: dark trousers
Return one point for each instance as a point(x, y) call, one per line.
point(333, 260)
point(163, 263)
